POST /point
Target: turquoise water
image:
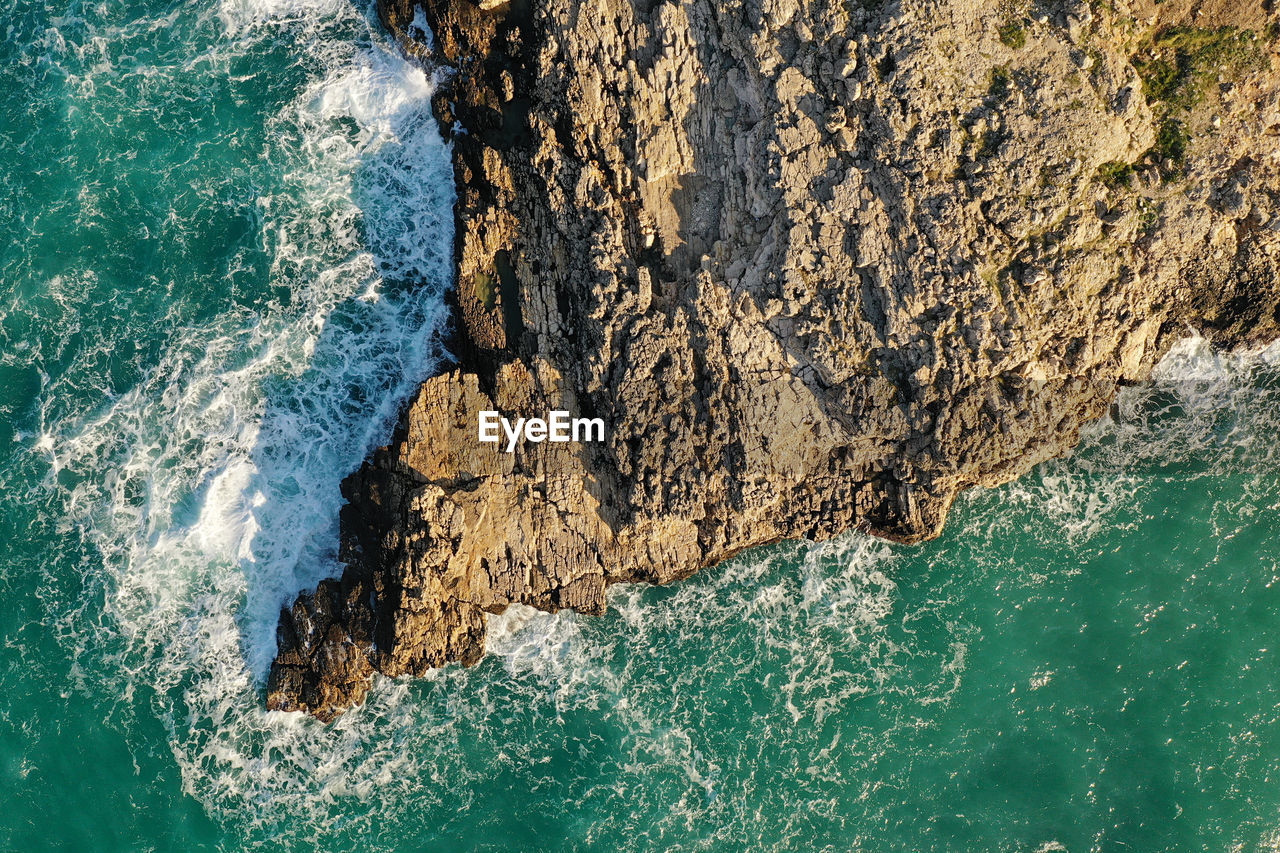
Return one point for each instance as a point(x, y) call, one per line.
point(213, 213)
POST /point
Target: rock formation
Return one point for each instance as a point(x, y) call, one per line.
point(818, 266)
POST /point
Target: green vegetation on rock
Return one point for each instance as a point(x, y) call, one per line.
point(485, 291)
point(1177, 67)
point(1012, 35)
point(1000, 83)
point(1178, 63)
point(1115, 174)
point(1170, 150)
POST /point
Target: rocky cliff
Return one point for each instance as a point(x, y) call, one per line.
point(817, 265)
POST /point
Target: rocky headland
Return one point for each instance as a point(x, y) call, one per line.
point(817, 265)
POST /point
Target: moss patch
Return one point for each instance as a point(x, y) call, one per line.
point(1012, 35)
point(1170, 150)
point(1177, 65)
point(485, 291)
point(999, 83)
point(1149, 213)
point(1115, 174)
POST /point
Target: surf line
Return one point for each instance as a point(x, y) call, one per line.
point(558, 426)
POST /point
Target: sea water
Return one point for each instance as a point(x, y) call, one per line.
point(227, 232)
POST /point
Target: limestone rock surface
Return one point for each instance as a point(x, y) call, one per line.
point(818, 266)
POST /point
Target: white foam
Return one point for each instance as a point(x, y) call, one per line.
point(1193, 359)
point(226, 527)
point(421, 29)
point(210, 488)
point(237, 16)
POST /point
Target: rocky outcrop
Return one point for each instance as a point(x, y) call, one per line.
point(818, 266)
